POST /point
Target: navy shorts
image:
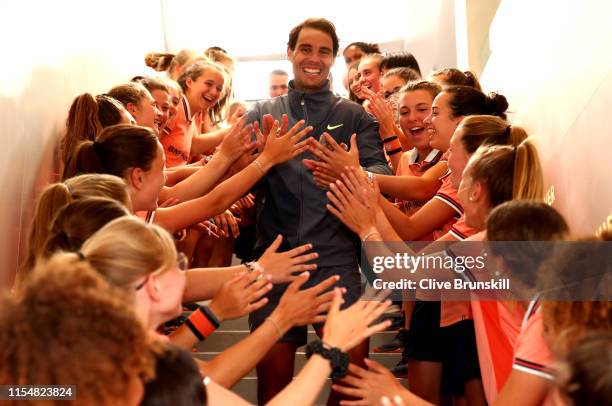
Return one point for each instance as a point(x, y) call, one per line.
point(350, 278)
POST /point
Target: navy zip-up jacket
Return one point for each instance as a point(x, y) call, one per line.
point(288, 200)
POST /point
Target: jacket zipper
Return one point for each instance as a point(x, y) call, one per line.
point(299, 233)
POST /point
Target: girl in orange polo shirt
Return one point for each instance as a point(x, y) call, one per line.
point(203, 85)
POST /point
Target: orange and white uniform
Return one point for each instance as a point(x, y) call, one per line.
point(447, 194)
point(497, 324)
point(177, 136)
point(409, 166)
point(532, 354)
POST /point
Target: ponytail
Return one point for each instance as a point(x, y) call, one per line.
point(87, 116)
point(158, 61)
point(528, 177)
point(170, 62)
point(84, 160)
point(116, 149)
point(82, 124)
point(479, 130)
point(492, 165)
point(77, 221)
point(53, 199)
point(57, 197)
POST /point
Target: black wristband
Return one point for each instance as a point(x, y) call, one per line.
point(389, 139)
point(194, 330)
point(210, 316)
point(339, 360)
point(395, 151)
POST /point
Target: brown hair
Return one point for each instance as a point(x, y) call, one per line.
point(152, 84)
point(320, 24)
point(431, 87)
point(169, 62)
point(196, 70)
point(67, 326)
point(127, 249)
point(530, 222)
point(489, 130)
point(77, 221)
point(129, 93)
point(467, 101)
point(455, 77)
point(406, 74)
point(525, 220)
point(585, 376)
point(87, 116)
point(401, 59)
point(492, 165)
point(57, 196)
point(115, 150)
point(566, 321)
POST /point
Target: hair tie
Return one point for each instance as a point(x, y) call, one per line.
point(80, 255)
point(70, 189)
point(508, 130)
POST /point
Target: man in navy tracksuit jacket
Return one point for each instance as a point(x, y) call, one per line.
point(288, 200)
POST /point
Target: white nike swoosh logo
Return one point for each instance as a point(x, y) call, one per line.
point(333, 127)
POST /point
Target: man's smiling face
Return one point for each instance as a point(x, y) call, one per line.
point(312, 59)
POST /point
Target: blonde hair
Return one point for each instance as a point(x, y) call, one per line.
point(169, 62)
point(127, 249)
point(492, 164)
point(480, 130)
point(66, 325)
point(59, 195)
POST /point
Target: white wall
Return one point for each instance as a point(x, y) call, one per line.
point(51, 52)
point(430, 34)
point(553, 61)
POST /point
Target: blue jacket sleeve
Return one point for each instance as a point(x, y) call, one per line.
point(371, 155)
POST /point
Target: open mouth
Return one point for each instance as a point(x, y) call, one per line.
point(417, 131)
point(311, 71)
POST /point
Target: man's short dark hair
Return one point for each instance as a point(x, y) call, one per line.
point(278, 72)
point(320, 24)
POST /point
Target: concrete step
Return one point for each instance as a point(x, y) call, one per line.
point(247, 389)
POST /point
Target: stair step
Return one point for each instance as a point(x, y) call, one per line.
point(247, 389)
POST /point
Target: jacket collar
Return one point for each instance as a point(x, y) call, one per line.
point(317, 102)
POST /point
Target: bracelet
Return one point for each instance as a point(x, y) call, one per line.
point(275, 324)
point(395, 151)
point(254, 266)
point(370, 177)
point(202, 323)
point(389, 139)
point(368, 235)
point(256, 162)
point(339, 360)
